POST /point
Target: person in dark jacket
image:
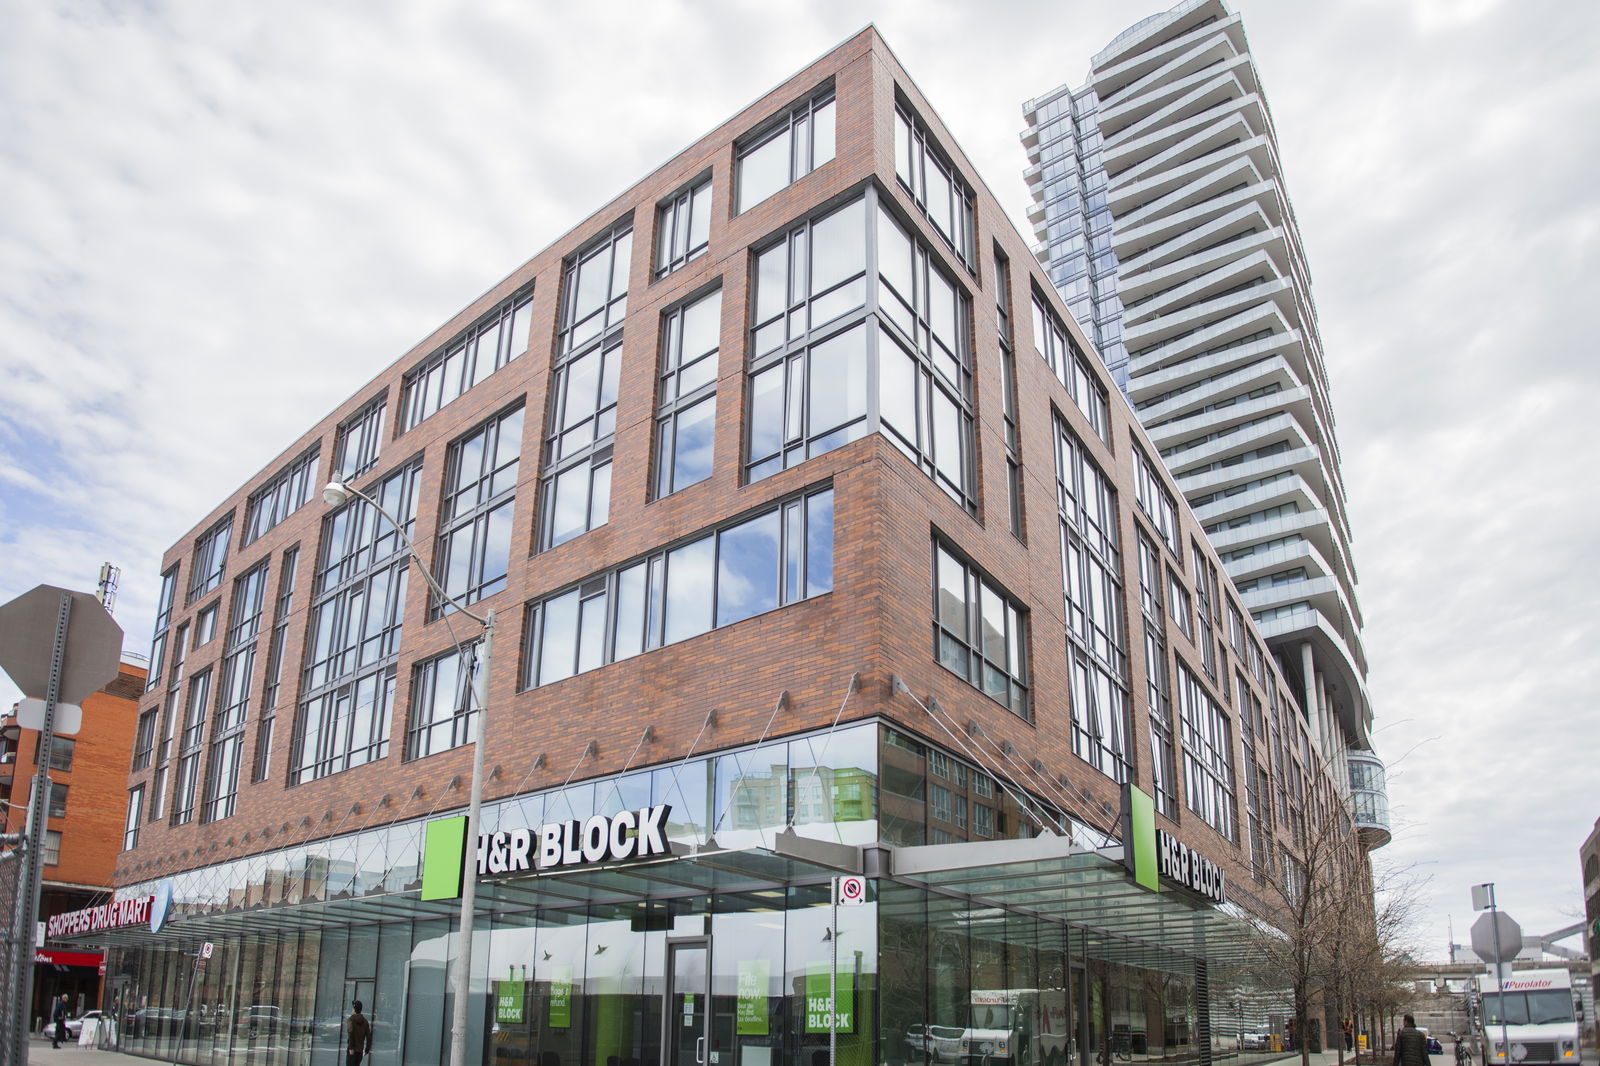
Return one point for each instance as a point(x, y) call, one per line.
point(58, 1014)
point(1410, 1045)
point(359, 1044)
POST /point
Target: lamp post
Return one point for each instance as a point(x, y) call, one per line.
point(337, 494)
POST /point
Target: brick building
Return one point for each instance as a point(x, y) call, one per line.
point(818, 543)
point(83, 827)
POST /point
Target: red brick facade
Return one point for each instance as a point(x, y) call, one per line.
point(876, 621)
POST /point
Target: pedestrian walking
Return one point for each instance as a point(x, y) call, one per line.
point(358, 1045)
point(1410, 1045)
point(58, 1015)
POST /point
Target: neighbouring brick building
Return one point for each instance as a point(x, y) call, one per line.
point(83, 827)
point(819, 543)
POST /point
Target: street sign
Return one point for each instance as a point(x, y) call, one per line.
point(852, 891)
point(68, 720)
point(1484, 939)
point(28, 637)
point(205, 950)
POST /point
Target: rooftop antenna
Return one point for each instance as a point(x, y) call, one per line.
point(110, 577)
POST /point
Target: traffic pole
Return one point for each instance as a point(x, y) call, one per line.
point(32, 856)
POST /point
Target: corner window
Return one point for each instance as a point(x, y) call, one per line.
point(687, 408)
point(683, 227)
point(808, 386)
point(979, 631)
point(821, 330)
point(786, 150)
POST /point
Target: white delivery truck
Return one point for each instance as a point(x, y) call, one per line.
point(1535, 1015)
point(1017, 1027)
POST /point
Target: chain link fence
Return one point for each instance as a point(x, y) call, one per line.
point(16, 948)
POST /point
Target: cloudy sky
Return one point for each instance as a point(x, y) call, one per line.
point(219, 220)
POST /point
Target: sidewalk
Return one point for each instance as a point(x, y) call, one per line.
point(40, 1053)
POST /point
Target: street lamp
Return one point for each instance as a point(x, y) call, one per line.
point(337, 494)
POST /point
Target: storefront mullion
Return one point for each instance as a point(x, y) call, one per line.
point(333, 965)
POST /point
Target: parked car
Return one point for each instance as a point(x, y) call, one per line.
point(1254, 1041)
point(938, 1043)
point(1436, 1048)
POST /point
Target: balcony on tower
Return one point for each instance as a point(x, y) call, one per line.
point(1369, 798)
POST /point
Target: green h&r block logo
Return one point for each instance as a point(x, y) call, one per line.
point(444, 858)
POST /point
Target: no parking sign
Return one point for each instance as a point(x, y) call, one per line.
point(850, 891)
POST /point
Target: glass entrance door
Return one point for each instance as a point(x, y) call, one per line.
point(688, 1004)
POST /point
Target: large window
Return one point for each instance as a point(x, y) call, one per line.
point(490, 344)
point(360, 441)
point(1154, 500)
point(808, 382)
point(686, 414)
point(61, 753)
point(233, 708)
point(785, 150)
point(135, 816)
point(171, 715)
point(815, 351)
point(442, 713)
point(210, 558)
point(979, 632)
point(1157, 678)
point(281, 497)
point(576, 490)
point(266, 726)
point(1208, 609)
point(1008, 394)
point(683, 227)
point(928, 175)
point(144, 738)
point(186, 782)
point(780, 556)
point(358, 603)
point(1067, 361)
point(158, 644)
point(1207, 755)
point(924, 368)
point(1092, 582)
point(475, 523)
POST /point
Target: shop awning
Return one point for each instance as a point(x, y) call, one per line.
point(988, 883)
point(789, 859)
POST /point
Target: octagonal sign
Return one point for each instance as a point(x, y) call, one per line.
point(1483, 938)
point(27, 643)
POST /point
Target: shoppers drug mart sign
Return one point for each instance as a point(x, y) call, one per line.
point(600, 838)
point(113, 915)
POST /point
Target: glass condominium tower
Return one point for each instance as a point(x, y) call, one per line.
point(1160, 204)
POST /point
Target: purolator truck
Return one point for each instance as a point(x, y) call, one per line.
point(1017, 1027)
point(1539, 1018)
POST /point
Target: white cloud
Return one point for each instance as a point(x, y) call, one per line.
point(221, 221)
